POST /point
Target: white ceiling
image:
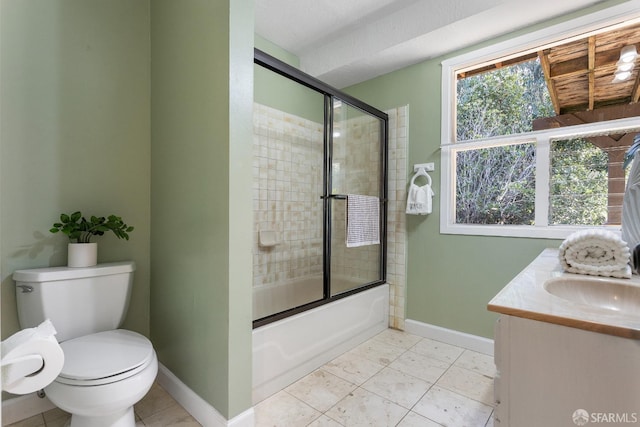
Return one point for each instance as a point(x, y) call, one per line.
point(343, 42)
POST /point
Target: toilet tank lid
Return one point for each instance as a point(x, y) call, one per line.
point(51, 274)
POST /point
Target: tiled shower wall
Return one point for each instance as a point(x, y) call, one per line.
point(287, 176)
point(287, 184)
point(356, 170)
point(396, 218)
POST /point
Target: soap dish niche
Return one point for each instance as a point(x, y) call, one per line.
point(268, 238)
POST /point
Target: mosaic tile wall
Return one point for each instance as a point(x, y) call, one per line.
point(396, 217)
point(287, 184)
point(356, 170)
point(287, 172)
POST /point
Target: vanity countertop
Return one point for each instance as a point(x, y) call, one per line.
point(525, 296)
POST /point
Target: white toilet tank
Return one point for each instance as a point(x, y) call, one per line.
point(78, 301)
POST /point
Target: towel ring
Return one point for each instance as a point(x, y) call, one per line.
point(421, 172)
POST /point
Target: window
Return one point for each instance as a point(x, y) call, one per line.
point(535, 130)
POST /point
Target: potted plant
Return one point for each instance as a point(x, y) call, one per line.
point(81, 251)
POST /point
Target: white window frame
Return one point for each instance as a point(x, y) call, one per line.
point(557, 34)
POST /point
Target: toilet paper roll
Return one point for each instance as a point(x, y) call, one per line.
point(31, 359)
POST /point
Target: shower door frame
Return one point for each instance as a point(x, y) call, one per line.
point(330, 93)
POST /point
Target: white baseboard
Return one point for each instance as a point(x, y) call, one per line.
point(25, 406)
point(449, 336)
point(201, 410)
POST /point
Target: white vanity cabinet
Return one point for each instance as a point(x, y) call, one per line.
point(548, 372)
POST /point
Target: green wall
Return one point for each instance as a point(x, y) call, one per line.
point(201, 238)
point(450, 278)
point(276, 51)
point(282, 93)
point(74, 134)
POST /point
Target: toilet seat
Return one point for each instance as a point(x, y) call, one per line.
point(104, 357)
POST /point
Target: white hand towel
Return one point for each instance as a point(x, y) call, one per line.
point(596, 253)
point(363, 220)
point(419, 197)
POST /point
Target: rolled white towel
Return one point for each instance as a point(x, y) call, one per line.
point(597, 253)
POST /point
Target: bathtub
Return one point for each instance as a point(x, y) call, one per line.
point(289, 349)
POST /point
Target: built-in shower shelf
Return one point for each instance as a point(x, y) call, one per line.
point(268, 238)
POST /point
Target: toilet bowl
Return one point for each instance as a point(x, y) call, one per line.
point(104, 375)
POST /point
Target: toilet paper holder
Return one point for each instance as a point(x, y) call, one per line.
point(30, 359)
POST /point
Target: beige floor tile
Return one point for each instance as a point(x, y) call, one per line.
point(378, 351)
point(156, 400)
point(325, 421)
point(400, 388)
point(363, 408)
point(174, 415)
point(55, 415)
point(451, 409)
point(414, 420)
point(438, 350)
point(321, 389)
point(59, 422)
point(421, 366)
point(468, 383)
point(477, 362)
point(282, 409)
point(353, 368)
point(397, 338)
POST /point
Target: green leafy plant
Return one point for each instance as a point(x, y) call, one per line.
point(78, 229)
point(631, 152)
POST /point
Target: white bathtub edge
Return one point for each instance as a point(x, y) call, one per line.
point(278, 364)
point(450, 336)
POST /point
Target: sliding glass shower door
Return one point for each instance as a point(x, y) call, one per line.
point(313, 147)
point(288, 176)
point(356, 155)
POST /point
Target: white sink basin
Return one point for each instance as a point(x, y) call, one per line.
point(609, 294)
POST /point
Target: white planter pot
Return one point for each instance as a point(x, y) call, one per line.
point(82, 254)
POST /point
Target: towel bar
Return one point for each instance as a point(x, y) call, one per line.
point(343, 197)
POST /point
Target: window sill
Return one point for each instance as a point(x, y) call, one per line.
point(529, 231)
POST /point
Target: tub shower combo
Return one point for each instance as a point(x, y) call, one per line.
point(314, 297)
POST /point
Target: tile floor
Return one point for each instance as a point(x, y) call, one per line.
point(394, 379)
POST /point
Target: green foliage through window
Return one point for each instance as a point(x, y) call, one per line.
point(502, 102)
point(579, 179)
point(496, 185)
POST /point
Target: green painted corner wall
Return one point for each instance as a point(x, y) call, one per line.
point(281, 93)
point(450, 278)
point(276, 51)
point(74, 134)
point(202, 74)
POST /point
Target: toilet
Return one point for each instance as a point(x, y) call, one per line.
point(106, 370)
